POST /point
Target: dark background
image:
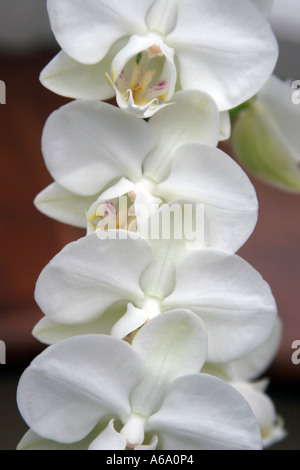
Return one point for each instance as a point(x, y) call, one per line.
point(28, 240)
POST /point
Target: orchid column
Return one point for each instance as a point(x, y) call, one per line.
point(132, 319)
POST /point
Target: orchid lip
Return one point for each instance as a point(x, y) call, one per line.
point(143, 74)
point(133, 431)
point(145, 184)
point(152, 306)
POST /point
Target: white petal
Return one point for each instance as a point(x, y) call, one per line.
point(90, 275)
point(133, 319)
point(261, 147)
point(169, 240)
point(32, 441)
point(162, 16)
point(208, 176)
point(171, 345)
point(253, 366)
point(225, 130)
point(109, 439)
point(49, 332)
point(72, 385)
point(276, 97)
point(219, 50)
point(145, 205)
point(67, 77)
point(265, 412)
point(234, 302)
point(121, 188)
point(194, 117)
point(134, 46)
point(63, 205)
point(201, 412)
point(87, 145)
point(86, 30)
point(151, 446)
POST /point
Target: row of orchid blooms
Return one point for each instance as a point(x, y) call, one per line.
point(152, 345)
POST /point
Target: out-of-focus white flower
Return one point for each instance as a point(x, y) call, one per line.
point(245, 375)
point(148, 49)
point(266, 138)
point(99, 393)
point(96, 153)
point(116, 284)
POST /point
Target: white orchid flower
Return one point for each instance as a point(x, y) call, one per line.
point(245, 375)
point(80, 394)
point(95, 153)
point(116, 284)
point(148, 49)
point(266, 137)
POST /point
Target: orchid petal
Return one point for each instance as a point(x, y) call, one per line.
point(276, 98)
point(151, 446)
point(63, 205)
point(208, 176)
point(109, 439)
point(264, 410)
point(172, 345)
point(162, 16)
point(225, 124)
point(254, 365)
point(48, 331)
point(212, 416)
point(194, 117)
point(82, 152)
point(234, 302)
point(260, 146)
point(87, 30)
point(32, 441)
point(67, 77)
point(225, 57)
point(169, 237)
point(90, 275)
point(70, 386)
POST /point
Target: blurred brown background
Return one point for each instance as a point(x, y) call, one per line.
point(29, 240)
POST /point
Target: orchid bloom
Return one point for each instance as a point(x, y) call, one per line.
point(143, 51)
point(78, 394)
point(116, 284)
point(245, 375)
point(96, 154)
point(266, 137)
